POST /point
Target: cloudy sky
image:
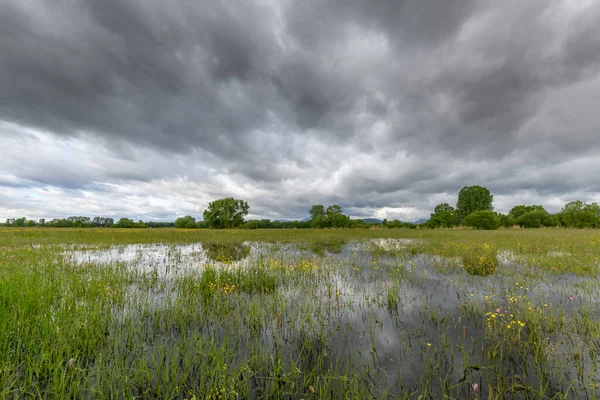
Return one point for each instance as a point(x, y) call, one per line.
point(150, 109)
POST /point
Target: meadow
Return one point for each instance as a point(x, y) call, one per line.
point(299, 314)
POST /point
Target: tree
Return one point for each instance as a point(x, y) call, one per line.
point(506, 220)
point(578, 214)
point(473, 198)
point(444, 216)
point(339, 220)
point(320, 221)
point(336, 217)
point(125, 223)
point(226, 213)
point(333, 210)
point(188, 222)
point(442, 208)
point(519, 210)
point(318, 210)
point(482, 220)
point(552, 220)
point(330, 217)
point(20, 222)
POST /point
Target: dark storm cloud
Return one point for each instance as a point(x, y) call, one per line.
point(364, 103)
point(179, 75)
point(182, 74)
point(154, 74)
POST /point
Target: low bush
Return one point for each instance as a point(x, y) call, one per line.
point(482, 220)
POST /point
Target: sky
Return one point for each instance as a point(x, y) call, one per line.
point(150, 109)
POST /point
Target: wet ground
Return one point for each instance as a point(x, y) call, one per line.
point(400, 321)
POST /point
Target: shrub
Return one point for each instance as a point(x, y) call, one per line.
point(187, 222)
point(482, 220)
point(479, 259)
point(533, 219)
point(222, 282)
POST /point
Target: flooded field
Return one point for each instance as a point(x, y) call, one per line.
point(430, 316)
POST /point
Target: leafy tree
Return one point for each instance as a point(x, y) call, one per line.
point(506, 220)
point(482, 220)
point(339, 221)
point(395, 223)
point(320, 221)
point(331, 216)
point(336, 217)
point(226, 213)
point(442, 208)
point(552, 220)
point(519, 210)
point(124, 223)
point(318, 210)
point(473, 198)
point(443, 216)
point(578, 214)
point(186, 222)
point(20, 222)
point(333, 210)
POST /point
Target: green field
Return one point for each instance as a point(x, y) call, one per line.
point(163, 313)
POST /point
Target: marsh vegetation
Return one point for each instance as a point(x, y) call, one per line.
point(299, 314)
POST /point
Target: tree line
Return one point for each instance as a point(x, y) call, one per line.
point(474, 208)
point(84, 222)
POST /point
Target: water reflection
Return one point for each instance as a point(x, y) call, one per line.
point(226, 252)
point(367, 307)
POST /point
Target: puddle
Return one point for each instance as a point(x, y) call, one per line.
point(165, 260)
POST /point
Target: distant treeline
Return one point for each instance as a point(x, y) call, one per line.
point(473, 209)
point(187, 222)
point(85, 222)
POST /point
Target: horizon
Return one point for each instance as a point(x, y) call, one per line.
point(151, 110)
point(198, 219)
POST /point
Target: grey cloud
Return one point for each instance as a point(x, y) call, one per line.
point(303, 102)
point(412, 23)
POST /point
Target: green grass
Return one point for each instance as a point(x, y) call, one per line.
point(310, 314)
